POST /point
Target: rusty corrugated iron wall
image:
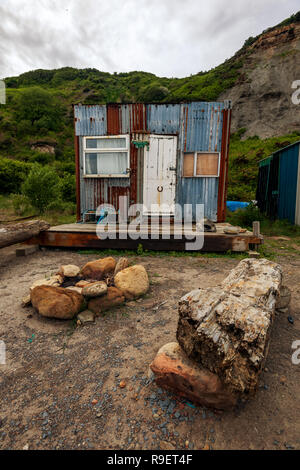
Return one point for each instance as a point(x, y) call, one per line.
point(199, 126)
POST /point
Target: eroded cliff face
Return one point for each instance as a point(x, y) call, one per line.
point(262, 97)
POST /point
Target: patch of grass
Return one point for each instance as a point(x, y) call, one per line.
point(163, 254)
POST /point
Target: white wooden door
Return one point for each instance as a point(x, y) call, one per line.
point(160, 175)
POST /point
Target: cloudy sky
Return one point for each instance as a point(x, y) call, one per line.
point(173, 38)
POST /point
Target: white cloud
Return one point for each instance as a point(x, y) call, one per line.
point(166, 37)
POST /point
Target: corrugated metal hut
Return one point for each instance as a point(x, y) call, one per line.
point(156, 155)
point(278, 189)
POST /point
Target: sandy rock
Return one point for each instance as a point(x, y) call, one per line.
point(227, 328)
point(133, 281)
point(98, 269)
point(96, 289)
point(82, 284)
point(175, 372)
point(26, 301)
point(56, 302)
point(86, 317)
point(123, 263)
point(53, 281)
point(75, 289)
point(69, 270)
point(284, 299)
point(113, 298)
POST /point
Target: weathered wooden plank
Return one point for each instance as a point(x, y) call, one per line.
point(217, 243)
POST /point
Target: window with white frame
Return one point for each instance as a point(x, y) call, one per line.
point(201, 164)
point(106, 157)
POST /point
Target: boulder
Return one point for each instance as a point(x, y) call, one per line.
point(96, 289)
point(53, 281)
point(56, 302)
point(123, 263)
point(98, 269)
point(69, 270)
point(113, 298)
point(226, 329)
point(133, 281)
point(174, 371)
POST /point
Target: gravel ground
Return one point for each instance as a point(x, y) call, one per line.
point(60, 387)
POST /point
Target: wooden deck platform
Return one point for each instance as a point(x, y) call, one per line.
point(84, 236)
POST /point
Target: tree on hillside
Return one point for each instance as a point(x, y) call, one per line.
point(38, 107)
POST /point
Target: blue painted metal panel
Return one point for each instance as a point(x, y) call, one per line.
point(200, 191)
point(288, 176)
point(201, 130)
point(90, 120)
point(163, 118)
point(202, 127)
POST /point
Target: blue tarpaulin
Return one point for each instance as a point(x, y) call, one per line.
point(235, 205)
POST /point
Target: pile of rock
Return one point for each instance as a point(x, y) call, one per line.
point(99, 286)
point(223, 336)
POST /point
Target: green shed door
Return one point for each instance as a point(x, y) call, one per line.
point(288, 175)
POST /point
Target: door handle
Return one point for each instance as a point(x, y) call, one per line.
point(160, 189)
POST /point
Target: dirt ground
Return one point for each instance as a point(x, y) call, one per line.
point(55, 370)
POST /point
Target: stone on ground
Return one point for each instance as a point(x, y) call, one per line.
point(227, 328)
point(177, 373)
point(113, 298)
point(26, 301)
point(56, 302)
point(133, 282)
point(69, 270)
point(75, 289)
point(53, 281)
point(96, 289)
point(82, 283)
point(123, 263)
point(284, 299)
point(98, 269)
point(86, 317)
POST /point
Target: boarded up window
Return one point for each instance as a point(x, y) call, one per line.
point(207, 164)
point(188, 164)
point(201, 164)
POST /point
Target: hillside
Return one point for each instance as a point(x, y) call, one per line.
point(36, 124)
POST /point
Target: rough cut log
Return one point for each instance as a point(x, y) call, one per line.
point(227, 328)
point(17, 233)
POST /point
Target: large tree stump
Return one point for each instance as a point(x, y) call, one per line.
point(17, 233)
point(227, 328)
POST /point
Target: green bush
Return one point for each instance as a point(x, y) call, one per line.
point(41, 187)
point(68, 187)
point(245, 217)
point(21, 204)
point(66, 208)
point(12, 175)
